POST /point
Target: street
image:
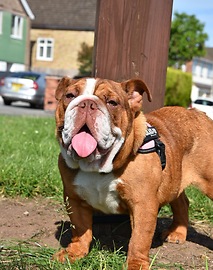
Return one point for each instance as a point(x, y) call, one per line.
point(21, 108)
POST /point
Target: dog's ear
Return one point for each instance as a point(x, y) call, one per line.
point(135, 89)
point(63, 84)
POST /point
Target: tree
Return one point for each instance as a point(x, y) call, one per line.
point(85, 59)
point(187, 39)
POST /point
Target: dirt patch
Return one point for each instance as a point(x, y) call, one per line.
point(24, 219)
point(43, 221)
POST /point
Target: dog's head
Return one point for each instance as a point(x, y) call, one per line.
point(99, 122)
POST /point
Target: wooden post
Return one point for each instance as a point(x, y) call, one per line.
point(132, 40)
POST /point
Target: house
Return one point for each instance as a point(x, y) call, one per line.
point(15, 20)
point(58, 30)
point(202, 75)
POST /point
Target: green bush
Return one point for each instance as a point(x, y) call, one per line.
point(178, 88)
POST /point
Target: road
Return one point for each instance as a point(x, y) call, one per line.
point(21, 108)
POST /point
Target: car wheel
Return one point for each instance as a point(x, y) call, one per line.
point(37, 106)
point(41, 106)
point(6, 101)
point(32, 105)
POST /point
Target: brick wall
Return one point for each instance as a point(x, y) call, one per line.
point(66, 47)
point(50, 102)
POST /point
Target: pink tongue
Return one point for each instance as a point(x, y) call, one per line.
point(84, 144)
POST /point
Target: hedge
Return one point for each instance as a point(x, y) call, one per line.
point(178, 88)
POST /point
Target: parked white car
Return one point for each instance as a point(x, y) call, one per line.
point(204, 105)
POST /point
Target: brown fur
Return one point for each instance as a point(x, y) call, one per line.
point(188, 137)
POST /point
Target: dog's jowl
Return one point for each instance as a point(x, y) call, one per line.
point(107, 164)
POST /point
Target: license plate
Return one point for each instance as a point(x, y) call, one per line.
point(16, 87)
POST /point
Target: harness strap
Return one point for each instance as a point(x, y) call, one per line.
point(152, 143)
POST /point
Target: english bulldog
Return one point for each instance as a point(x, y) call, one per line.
point(105, 164)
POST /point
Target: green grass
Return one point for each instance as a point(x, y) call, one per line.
point(29, 151)
point(29, 255)
point(28, 168)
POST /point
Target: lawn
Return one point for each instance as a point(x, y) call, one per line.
point(29, 154)
point(28, 168)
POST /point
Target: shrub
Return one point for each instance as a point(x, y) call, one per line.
point(178, 88)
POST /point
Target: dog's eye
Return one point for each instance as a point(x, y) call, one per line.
point(70, 96)
point(112, 103)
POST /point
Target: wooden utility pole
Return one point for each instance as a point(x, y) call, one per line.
point(132, 40)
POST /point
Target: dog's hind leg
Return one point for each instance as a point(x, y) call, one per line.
point(178, 230)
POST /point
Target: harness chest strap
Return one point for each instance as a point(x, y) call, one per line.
point(152, 143)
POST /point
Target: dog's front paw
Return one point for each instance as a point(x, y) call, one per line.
point(136, 265)
point(72, 253)
point(60, 256)
point(177, 236)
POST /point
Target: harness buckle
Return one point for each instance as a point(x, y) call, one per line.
point(152, 143)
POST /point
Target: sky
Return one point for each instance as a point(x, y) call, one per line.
point(202, 9)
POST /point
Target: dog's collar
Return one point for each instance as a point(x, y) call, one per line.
point(152, 143)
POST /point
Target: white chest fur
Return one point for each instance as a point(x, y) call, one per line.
point(98, 190)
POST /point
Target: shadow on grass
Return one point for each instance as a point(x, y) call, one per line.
point(113, 232)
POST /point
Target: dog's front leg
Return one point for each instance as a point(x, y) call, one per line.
point(143, 222)
point(80, 216)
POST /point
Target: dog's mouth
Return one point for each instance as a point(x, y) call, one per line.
point(84, 143)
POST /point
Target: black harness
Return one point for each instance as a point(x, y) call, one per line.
point(152, 143)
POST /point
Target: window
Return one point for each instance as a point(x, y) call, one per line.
point(210, 72)
point(198, 70)
point(204, 102)
point(45, 49)
point(204, 72)
point(17, 27)
point(1, 21)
